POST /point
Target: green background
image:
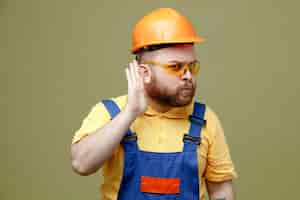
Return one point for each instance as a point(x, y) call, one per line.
point(58, 58)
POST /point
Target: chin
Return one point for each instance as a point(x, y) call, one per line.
point(184, 101)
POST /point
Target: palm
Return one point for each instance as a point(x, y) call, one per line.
point(136, 93)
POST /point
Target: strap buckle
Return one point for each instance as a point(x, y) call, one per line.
point(197, 120)
point(192, 139)
point(129, 138)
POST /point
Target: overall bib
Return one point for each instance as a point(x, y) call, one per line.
point(161, 176)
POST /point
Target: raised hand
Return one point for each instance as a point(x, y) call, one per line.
point(137, 101)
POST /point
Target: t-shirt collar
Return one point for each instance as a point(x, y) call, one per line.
point(173, 113)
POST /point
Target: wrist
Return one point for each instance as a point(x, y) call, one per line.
point(130, 112)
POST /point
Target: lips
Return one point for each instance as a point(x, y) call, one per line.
point(187, 88)
point(187, 91)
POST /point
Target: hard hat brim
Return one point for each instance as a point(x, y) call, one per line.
point(187, 40)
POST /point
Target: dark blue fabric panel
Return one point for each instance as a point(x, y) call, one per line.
point(197, 122)
point(182, 165)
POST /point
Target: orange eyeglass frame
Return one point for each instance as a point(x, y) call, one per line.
point(178, 68)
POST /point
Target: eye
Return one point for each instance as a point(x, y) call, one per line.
point(175, 66)
point(194, 66)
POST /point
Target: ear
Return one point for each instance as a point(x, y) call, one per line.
point(146, 72)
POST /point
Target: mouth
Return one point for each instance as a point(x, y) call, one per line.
point(187, 87)
point(187, 91)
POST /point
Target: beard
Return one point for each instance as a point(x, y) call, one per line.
point(180, 96)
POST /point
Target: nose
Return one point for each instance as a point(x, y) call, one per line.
point(187, 75)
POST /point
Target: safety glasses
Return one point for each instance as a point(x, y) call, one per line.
point(178, 68)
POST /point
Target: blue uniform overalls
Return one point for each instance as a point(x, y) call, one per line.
point(161, 176)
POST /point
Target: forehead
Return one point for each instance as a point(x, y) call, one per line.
point(181, 53)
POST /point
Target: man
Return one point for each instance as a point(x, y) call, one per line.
point(156, 142)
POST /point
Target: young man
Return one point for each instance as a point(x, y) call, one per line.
point(156, 142)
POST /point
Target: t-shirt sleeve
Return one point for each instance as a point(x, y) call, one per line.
point(96, 119)
point(219, 164)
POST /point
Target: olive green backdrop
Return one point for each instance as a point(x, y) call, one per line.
point(58, 58)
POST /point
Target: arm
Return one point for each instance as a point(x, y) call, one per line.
point(220, 169)
point(89, 154)
point(220, 190)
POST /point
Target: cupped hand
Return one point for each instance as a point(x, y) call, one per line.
point(137, 101)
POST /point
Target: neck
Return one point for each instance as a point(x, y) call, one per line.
point(158, 106)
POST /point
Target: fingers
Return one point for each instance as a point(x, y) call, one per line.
point(133, 75)
point(136, 102)
point(128, 77)
point(132, 69)
point(137, 74)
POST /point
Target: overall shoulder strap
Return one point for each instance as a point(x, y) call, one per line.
point(193, 138)
point(111, 107)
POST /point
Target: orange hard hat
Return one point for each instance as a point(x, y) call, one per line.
point(163, 26)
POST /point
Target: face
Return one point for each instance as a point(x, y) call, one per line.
point(167, 88)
